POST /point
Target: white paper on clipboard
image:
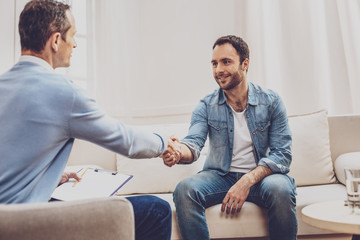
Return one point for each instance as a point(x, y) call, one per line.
point(95, 183)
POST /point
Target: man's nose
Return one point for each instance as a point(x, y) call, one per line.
point(219, 68)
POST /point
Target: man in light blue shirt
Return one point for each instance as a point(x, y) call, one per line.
point(41, 113)
point(249, 150)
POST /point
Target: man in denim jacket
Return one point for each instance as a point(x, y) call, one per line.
point(250, 150)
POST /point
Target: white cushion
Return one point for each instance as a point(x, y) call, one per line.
point(311, 162)
point(347, 160)
point(151, 175)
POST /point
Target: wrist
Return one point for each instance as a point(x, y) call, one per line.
point(248, 180)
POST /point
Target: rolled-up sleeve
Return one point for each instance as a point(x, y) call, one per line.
point(280, 155)
point(198, 130)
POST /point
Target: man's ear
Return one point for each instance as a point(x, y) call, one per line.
point(55, 39)
point(245, 64)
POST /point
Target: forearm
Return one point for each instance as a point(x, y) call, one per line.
point(256, 175)
point(187, 155)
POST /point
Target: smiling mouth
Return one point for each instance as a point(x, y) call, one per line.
point(222, 78)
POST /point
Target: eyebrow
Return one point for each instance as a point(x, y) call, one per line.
point(222, 59)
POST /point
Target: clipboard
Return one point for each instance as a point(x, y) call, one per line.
point(95, 183)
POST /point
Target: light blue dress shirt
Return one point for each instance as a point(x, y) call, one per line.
point(41, 113)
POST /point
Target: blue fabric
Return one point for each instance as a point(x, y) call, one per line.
point(268, 125)
point(267, 121)
point(152, 218)
point(276, 193)
point(41, 113)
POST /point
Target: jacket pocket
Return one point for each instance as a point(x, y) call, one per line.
point(218, 133)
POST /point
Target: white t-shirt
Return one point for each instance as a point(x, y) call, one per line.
point(243, 155)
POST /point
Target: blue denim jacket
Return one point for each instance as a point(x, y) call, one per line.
point(268, 125)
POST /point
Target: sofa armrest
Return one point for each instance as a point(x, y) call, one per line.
point(346, 160)
point(109, 218)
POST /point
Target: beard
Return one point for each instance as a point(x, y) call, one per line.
point(234, 81)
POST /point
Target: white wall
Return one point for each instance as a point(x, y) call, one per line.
point(156, 55)
point(7, 24)
point(153, 56)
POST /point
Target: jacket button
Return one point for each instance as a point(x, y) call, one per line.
point(230, 130)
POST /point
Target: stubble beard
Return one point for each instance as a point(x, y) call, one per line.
point(235, 80)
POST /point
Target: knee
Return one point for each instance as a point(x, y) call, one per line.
point(149, 203)
point(183, 187)
point(281, 191)
point(162, 206)
point(185, 190)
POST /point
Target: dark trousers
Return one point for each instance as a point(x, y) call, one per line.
point(152, 218)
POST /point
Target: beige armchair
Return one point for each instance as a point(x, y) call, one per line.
point(108, 218)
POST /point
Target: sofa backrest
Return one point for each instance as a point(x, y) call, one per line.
point(343, 132)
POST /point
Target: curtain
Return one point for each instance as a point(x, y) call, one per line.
point(153, 57)
point(308, 51)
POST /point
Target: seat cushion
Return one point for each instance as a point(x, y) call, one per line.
point(252, 220)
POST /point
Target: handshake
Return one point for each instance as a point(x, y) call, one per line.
point(174, 152)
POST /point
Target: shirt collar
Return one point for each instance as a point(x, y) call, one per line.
point(252, 99)
point(36, 60)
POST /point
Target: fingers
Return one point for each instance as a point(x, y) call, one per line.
point(68, 175)
point(231, 205)
point(74, 175)
point(169, 160)
point(173, 153)
point(175, 139)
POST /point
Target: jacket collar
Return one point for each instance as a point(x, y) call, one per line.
point(252, 100)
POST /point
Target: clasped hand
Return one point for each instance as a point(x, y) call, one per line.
point(173, 154)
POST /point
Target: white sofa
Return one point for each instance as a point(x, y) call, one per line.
point(322, 146)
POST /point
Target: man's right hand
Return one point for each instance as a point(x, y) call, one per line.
point(173, 154)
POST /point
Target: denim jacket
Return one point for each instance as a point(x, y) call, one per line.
point(268, 125)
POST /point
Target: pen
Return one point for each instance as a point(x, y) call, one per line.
point(80, 176)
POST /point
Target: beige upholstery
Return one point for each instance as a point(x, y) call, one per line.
point(110, 218)
point(318, 184)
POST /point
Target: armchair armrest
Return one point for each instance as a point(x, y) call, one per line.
point(346, 160)
point(106, 218)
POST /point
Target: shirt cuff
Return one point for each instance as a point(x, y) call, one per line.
point(164, 144)
point(274, 167)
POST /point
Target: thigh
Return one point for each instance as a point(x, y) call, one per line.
point(209, 186)
point(274, 185)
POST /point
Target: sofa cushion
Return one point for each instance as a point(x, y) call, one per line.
point(311, 162)
point(347, 160)
point(151, 175)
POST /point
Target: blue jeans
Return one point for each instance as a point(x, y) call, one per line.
point(276, 193)
point(152, 218)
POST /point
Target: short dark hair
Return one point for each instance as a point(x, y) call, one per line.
point(38, 20)
point(238, 43)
